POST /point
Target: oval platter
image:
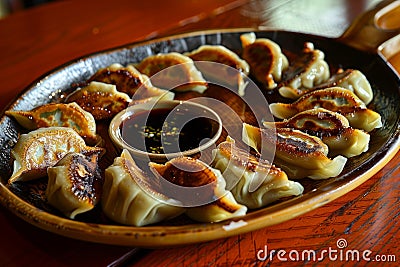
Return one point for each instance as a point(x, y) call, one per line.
point(27, 202)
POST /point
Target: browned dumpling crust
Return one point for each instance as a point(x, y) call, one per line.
point(253, 181)
point(73, 185)
point(266, 60)
point(219, 54)
point(199, 187)
point(306, 71)
point(130, 81)
point(187, 172)
point(43, 148)
point(230, 71)
point(353, 80)
point(59, 114)
point(332, 127)
point(298, 154)
point(126, 79)
point(335, 99)
point(173, 71)
point(102, 100)
point(240, 157)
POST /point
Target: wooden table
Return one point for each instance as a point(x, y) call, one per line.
point(35, 41)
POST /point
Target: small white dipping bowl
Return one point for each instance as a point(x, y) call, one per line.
point(194, 110)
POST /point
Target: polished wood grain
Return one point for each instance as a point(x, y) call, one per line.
point(35, 41)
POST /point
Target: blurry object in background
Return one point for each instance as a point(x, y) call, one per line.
point(11, 6)
point(4, 10)
point(327, 18)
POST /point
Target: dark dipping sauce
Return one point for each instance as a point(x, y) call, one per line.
point(158, 132)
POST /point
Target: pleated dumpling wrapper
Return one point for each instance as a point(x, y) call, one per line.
point(173, 71)
point(265, 57)
point(254, 182)
point(74, 184)
point(230, 71)
point(59, 114)
point(102, 100)
point(130, 81)
point(353, 80)
point(200, 188)
point(334, 99)
point(40, 149)
point(306, 71)
point(129, 196)
point(298, 154)
point(332, 127)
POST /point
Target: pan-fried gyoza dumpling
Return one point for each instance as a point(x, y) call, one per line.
point(297, 153)
point(253, 182)
point(173, 71)
point(40, 149)
point(130, 81)
point(59, 114)
point(219, 54)
point(229, 72)
point(332, 127)
point(74, 184)
point(307, 71)
point(102, 100)
point(129, 198)
point(353, 80)
point(126, 79)
point(199, 187)
point(334, 99)
point(266, 60)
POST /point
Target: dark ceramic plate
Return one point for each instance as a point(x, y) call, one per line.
point(26, 200)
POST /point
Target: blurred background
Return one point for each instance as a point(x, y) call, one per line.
point(323, 17)
point(327, 18)
point(11, 6)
